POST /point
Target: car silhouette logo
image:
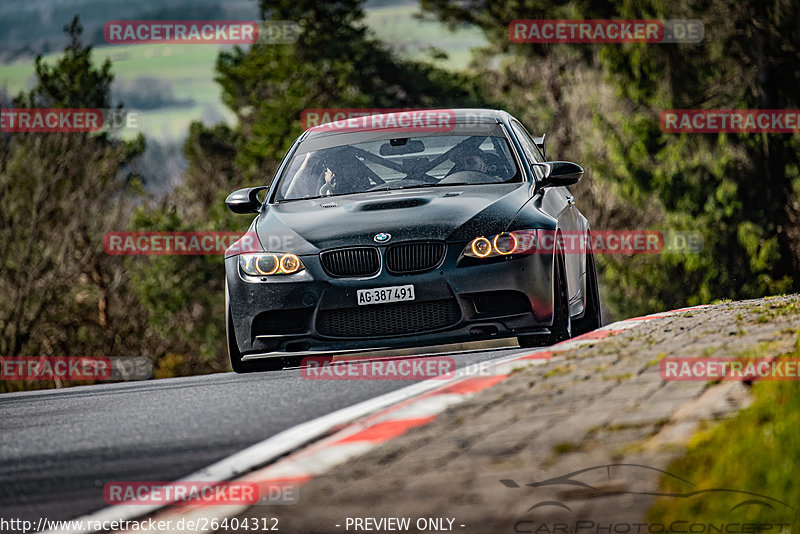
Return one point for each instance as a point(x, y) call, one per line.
point(382, 237)
point(618, 478)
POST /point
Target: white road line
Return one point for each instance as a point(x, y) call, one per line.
point(282, 443)
point(321, 456)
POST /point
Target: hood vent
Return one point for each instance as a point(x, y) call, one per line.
point(329, 205)
point(393, 204)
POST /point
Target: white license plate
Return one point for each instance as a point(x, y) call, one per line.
point(381, 295)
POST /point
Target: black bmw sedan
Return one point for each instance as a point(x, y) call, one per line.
point(399, 230)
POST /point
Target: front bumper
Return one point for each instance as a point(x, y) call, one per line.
point(311, 311)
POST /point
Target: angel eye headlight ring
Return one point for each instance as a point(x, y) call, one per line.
point(270, 263)
point(501, 247)
point(290, 263)
point(481, 247)
point(267, 264)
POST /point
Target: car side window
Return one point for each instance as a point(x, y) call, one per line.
point(529, 147)
point(536, 149)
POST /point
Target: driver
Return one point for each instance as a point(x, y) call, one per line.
point(341, 177)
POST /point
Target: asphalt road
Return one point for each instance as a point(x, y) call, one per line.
point(58, 448)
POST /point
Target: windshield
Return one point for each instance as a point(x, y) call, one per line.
point(398, 163)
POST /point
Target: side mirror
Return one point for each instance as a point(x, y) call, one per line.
point(539, 142)
point(245, 200)
point(561, 173)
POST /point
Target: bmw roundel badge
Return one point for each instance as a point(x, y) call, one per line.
point(382, 237)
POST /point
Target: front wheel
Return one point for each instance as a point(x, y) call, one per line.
point(562, 321)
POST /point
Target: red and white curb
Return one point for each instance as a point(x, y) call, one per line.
point(352, 431)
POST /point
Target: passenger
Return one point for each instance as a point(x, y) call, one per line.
point(329, 186)
point(476, 163)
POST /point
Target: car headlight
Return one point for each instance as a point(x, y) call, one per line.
point(505, 244)
point(270, 263)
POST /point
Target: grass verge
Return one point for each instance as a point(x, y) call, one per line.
point(756, 451)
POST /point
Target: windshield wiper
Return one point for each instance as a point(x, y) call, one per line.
point(384, 188)
point(417, 186)
point(437, 184)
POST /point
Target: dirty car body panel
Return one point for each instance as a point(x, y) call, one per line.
point(387, 231)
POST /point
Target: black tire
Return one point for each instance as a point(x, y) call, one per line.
point(592, 318)
point(238, 366)
point(562, 322)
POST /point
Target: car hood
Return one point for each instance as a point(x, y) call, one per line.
point(456, 213)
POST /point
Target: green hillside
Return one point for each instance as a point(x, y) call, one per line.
point(186, 72)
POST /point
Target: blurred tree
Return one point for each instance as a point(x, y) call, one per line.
point(334, 63)
point(184, 294)
point(62, 295)
point(739, 189)
point(74, 81)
